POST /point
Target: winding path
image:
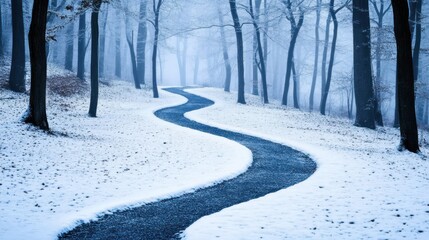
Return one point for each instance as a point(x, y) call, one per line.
point(274, 167)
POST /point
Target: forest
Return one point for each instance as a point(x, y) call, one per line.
point(102, 73)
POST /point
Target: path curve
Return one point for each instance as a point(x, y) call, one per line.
point(274, 167)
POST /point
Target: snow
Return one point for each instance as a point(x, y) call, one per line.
point(125, 157)
point(363, 188)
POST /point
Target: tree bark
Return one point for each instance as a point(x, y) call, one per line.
point(364, 92)
point(141, 42)
point(316, 55)
point(227, 83)
point(36, 113)
point(325, 54)
point(416, 56)
point(68, 61)
point(331, 60)
point(94, 58)
point(405, 77)
point(103, 41)
point(81, 47)
point(133, 61)
point(118, 48)
point(295, 27)
point(1, 34)
point(260, 51)
point(17, 70)
point(240, 51)
point(156, 9)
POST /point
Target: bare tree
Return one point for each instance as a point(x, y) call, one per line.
point(227, 84)
point(141, 42)
point(96, 4)
point(316, 53)
point(333, 12)
point(240, 50)
point(405, 77)
point(294, 28)
point(36, 113)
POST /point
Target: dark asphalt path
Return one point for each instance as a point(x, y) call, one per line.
point(274, 167)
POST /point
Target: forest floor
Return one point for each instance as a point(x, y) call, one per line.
point(363, 188)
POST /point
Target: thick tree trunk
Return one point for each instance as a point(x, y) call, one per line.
point(103, 42)
point(240, 51)
point(141, 42)
point(405, 77)
point(36, 113)
point(81, 47)
point(17, 70)
point(364, 91)
point(295, 27)
point(316, 55)
point(68, 61)
point(227, 83)
point(94, 59)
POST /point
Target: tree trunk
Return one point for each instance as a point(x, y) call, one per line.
point(331, 60)
point(295, 27)
point(103, 42)
point(133, 61)
point(364, 92)
point(240, 51)
point(141, 42)
point(81, 47)
point(181, 59)
point(1, 34)
point(68, 61)
point(416, 56)
point(295, 87)
point(17, 70)
point(316, 55)
point(227, 84)
point(94, 58)
point(118, 48)
point(255, 76)
point(325, 54)
point(155, 49)
point(405, 77)
point(36, 113)
point(260, 50)
point(377, 83)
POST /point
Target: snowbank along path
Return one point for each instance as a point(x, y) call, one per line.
point(274, 167)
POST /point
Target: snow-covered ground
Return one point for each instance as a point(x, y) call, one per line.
point(124, 157)
point(363, 188)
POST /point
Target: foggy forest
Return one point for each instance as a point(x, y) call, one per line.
point(214, 119)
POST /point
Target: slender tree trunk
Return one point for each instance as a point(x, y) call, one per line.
point(316, 55)
point(227, 84)
point(141, 42)
point(103, 41)
point(133, 61)
point(17, 70)
point(331, 60)
point(405, 77)
point(295, 27)
point(265, 38)
point(118, 48)
point(377, 83)
point(260, 50)
point(94, 58)
point(255, 76)
point(325, 54)
point(364, 91)
point(1, 34)
point(240, 51)
point(181, 59)
point(295, 87)
point(81, 47)
point(155, 49)
point(416, 56)
point(36, 113)
point(68, 63)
